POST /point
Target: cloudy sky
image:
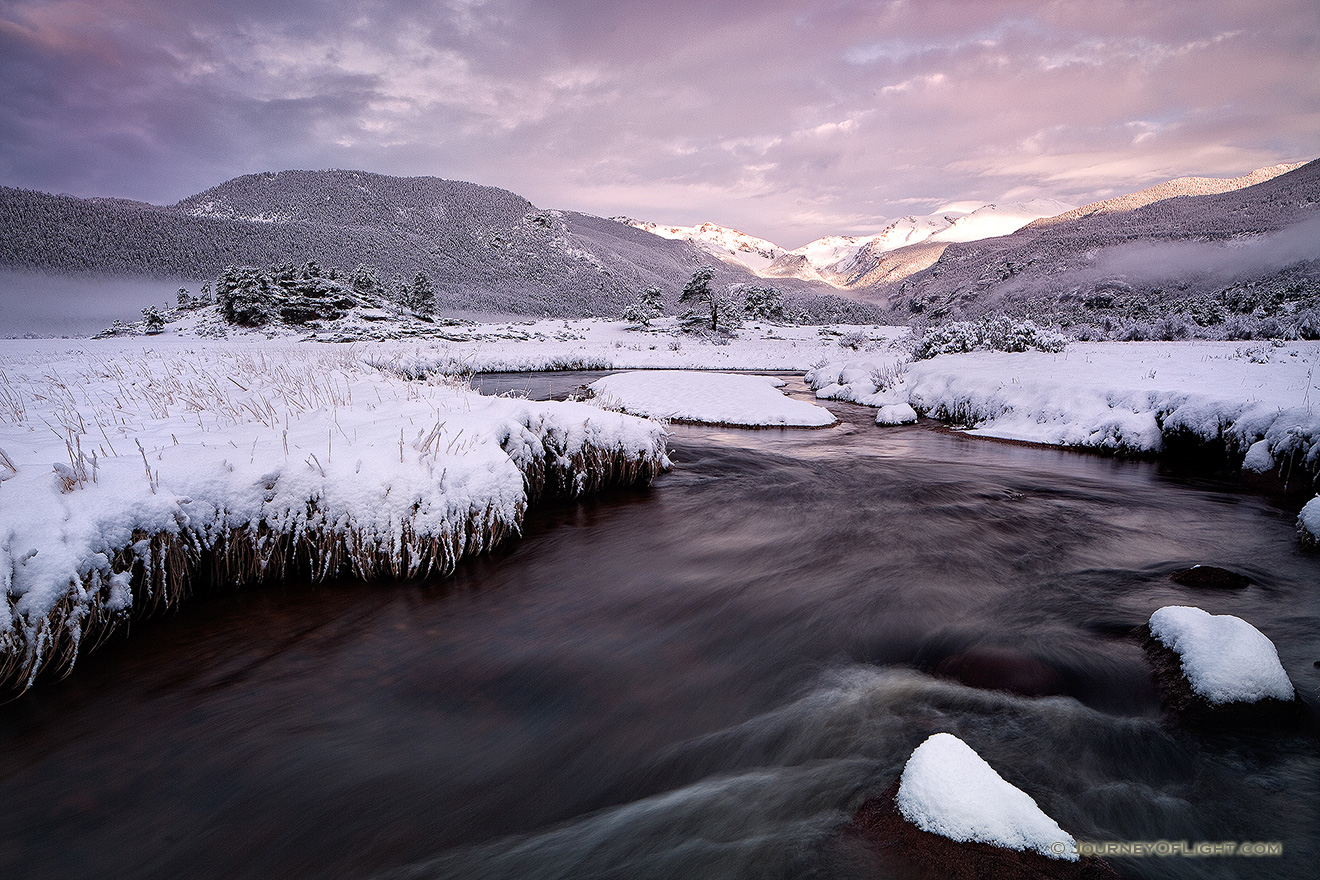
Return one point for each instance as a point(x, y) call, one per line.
point(788, 120)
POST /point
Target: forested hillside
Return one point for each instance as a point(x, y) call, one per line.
point(486, 249)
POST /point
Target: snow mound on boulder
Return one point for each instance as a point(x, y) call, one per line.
point(1308, 521)
point(949, 790)
point(1224, 658)
point(896, 414)
point(712, 398)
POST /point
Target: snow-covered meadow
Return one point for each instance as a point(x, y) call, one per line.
point(130, 467)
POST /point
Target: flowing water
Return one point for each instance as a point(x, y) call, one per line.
point(700, 679)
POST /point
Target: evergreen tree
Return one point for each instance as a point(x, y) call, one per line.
point(399, 291)
point(764, 302)
point(152, 320)
point(421, 297)
point(704, 300)
point(364, 281)
point(651, 306)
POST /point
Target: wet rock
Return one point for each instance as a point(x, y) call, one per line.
point(992, 667)
point(1209, 577)
point(1181, 697)
point(884, 844)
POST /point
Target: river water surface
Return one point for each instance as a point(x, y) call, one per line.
point(700, 679)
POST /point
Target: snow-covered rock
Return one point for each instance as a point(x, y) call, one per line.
point(1258, 458)
point(949, 790)
point(1224, 658)
point(896, 414)
point(713, 398)
point(1308, 522)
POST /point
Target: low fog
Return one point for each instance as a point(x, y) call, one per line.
point(1222, 262)
point(33, 304)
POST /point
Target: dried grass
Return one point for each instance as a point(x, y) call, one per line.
point(251, 387)
point(166, 567)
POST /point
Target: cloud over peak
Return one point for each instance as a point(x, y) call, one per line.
point(775, 117)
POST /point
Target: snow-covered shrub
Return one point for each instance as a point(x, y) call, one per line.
point(649, 307)
point(1308, 326)
point(888, 375)
point(763, 302)
point(998, 334)
point(1138, 332)
point(856, 340)
point(152, 320)
point(1171, 327)
point(1308, 523)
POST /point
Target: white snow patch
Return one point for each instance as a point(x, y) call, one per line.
point(896, 414)
point(1258, 457)
point(1225, 659)
point(716, 398)
point(1309, 520)
point(949, 790)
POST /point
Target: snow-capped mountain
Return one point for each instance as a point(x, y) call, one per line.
point(725, 243)
point(991, 221)
point(844, 261)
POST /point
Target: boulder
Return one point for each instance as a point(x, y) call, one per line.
point(952, 817)
point(993, 667)
point(1209, 577)
point(1216, 668)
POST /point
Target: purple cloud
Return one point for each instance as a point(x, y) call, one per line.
point(788, 120)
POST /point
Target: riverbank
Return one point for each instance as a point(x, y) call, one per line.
point(132, 469)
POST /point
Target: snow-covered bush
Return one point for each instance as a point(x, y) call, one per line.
point(888, 375)
point(997, 334)
point(648, 308)
point(763, 302)
point(856, 340)
point(1308, 523)
point(152, 320)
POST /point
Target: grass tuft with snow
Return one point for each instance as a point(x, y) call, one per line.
point(130, 470)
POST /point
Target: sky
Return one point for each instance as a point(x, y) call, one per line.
point(787, 120)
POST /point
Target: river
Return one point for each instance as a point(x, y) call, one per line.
point(703, 678)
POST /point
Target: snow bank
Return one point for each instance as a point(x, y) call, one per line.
point(947, 789)
point(1308, 521)
point(124, 469)
point(1224, 658)
point(713, 398)
point(1258, 400)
